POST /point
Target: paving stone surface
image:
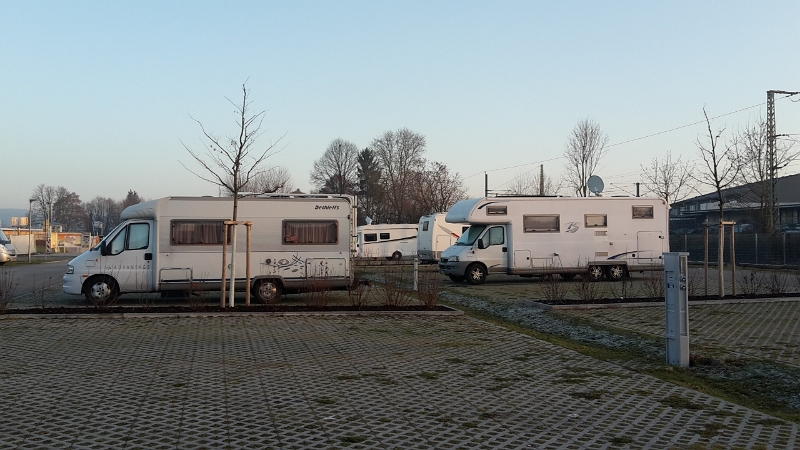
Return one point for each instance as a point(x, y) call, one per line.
point(768, 329)
point(358, 382)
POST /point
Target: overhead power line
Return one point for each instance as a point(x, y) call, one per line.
point(630, 140)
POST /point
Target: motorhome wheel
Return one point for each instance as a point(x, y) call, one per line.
point(456, 278)
point(616, 273)
point(267, 291)
point(397, 256)
point(476, 274)
point(595, 273)
point(100, 290)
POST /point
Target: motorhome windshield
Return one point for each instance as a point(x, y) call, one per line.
point(109, 234)
point(469, 236)
point(3, 238)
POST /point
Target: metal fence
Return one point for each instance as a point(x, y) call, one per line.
point(777, 250)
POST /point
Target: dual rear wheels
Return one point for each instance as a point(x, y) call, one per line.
point(614, 272)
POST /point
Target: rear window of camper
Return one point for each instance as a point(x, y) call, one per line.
point(310, 231)
point(197, 232)
point(425, 226)
point(595, 220)
point(496, 210)
point(542, 223)
point(371, 237)
point(643, 212)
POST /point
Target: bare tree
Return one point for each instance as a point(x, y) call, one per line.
point(44, 196)
point(274, 179)
point(436, 190)
point(336, 172)
point(721, 164)
point(532, 183)
point(68, 211)
point(585, 148)
point(668, 179)
point(103, 214)
point(233, 161)
point(400, 155)
point(750, 144)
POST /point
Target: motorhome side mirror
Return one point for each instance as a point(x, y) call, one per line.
point(103, 248)
point(481, 244)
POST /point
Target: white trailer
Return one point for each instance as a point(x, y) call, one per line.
point(435, 235)
point(390, 241)
point(175, 244)
point(596, 237)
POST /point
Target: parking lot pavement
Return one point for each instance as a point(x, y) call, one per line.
point(761, 329)
point(398, 381)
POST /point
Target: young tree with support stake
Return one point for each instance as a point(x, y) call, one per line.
point(232, 162)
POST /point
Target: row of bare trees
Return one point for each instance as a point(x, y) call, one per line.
point(392, 178)
point(60, 206)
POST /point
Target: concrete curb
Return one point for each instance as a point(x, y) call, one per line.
point(451, 312)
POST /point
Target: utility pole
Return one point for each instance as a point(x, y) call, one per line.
point(541, 179)
point(771, 160)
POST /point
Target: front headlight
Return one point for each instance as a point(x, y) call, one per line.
point(453, 259)
point(70, 270)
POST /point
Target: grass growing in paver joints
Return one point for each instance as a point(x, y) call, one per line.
point(763, 386)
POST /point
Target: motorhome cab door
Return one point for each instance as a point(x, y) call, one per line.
point(129, 256)
point(495, 251)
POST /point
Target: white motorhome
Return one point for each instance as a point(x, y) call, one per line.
point(175, 244)
point(597, 237)
point(390, 241)
point(435, 235)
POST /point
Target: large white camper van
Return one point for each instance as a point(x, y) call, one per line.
point(390, 241)
point(435, 235)
point(598, 237)
point(175, 244)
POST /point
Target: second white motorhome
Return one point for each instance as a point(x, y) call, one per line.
point(175, 244)
point(390, 241)
point(596, 237)
point(435, 235)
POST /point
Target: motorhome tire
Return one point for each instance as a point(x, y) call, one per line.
point(100, 290)
point(616, 272)
point(476, 274)
point(397, 256)
point(456, 278)
point(267, 291)
point(595, 273)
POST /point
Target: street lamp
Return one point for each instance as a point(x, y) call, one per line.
point(30, 234)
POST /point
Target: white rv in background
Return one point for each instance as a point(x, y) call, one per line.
point(175, 244)
point(390, 241)
point(435, 235)
point(596, 237)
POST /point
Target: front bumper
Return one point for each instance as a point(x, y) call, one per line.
point(72, 283)
point(457, 269)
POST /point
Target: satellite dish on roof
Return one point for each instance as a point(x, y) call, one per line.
point(595, 184)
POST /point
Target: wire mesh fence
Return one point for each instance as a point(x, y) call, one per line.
point(751, 249)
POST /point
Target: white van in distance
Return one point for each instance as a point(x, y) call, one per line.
point(435, 235)
point(175, 244)
point(597, 237)
point(387, 240)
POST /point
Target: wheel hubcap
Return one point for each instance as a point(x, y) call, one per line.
point(100, 291)
point(267, 291)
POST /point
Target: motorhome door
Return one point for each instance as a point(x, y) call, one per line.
point(495, 253)
point(129, 257)
point(650, 245)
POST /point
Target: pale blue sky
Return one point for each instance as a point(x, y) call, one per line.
point(96, 96)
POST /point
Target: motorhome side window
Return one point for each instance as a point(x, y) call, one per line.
point(496, 210)
point(642, 212)
point(385, 236)
point(541, 223)
point(595, 220)
point(425, 226)
point(371, 237)
point(197, 232)
point(497, 236)
point(310, 232)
